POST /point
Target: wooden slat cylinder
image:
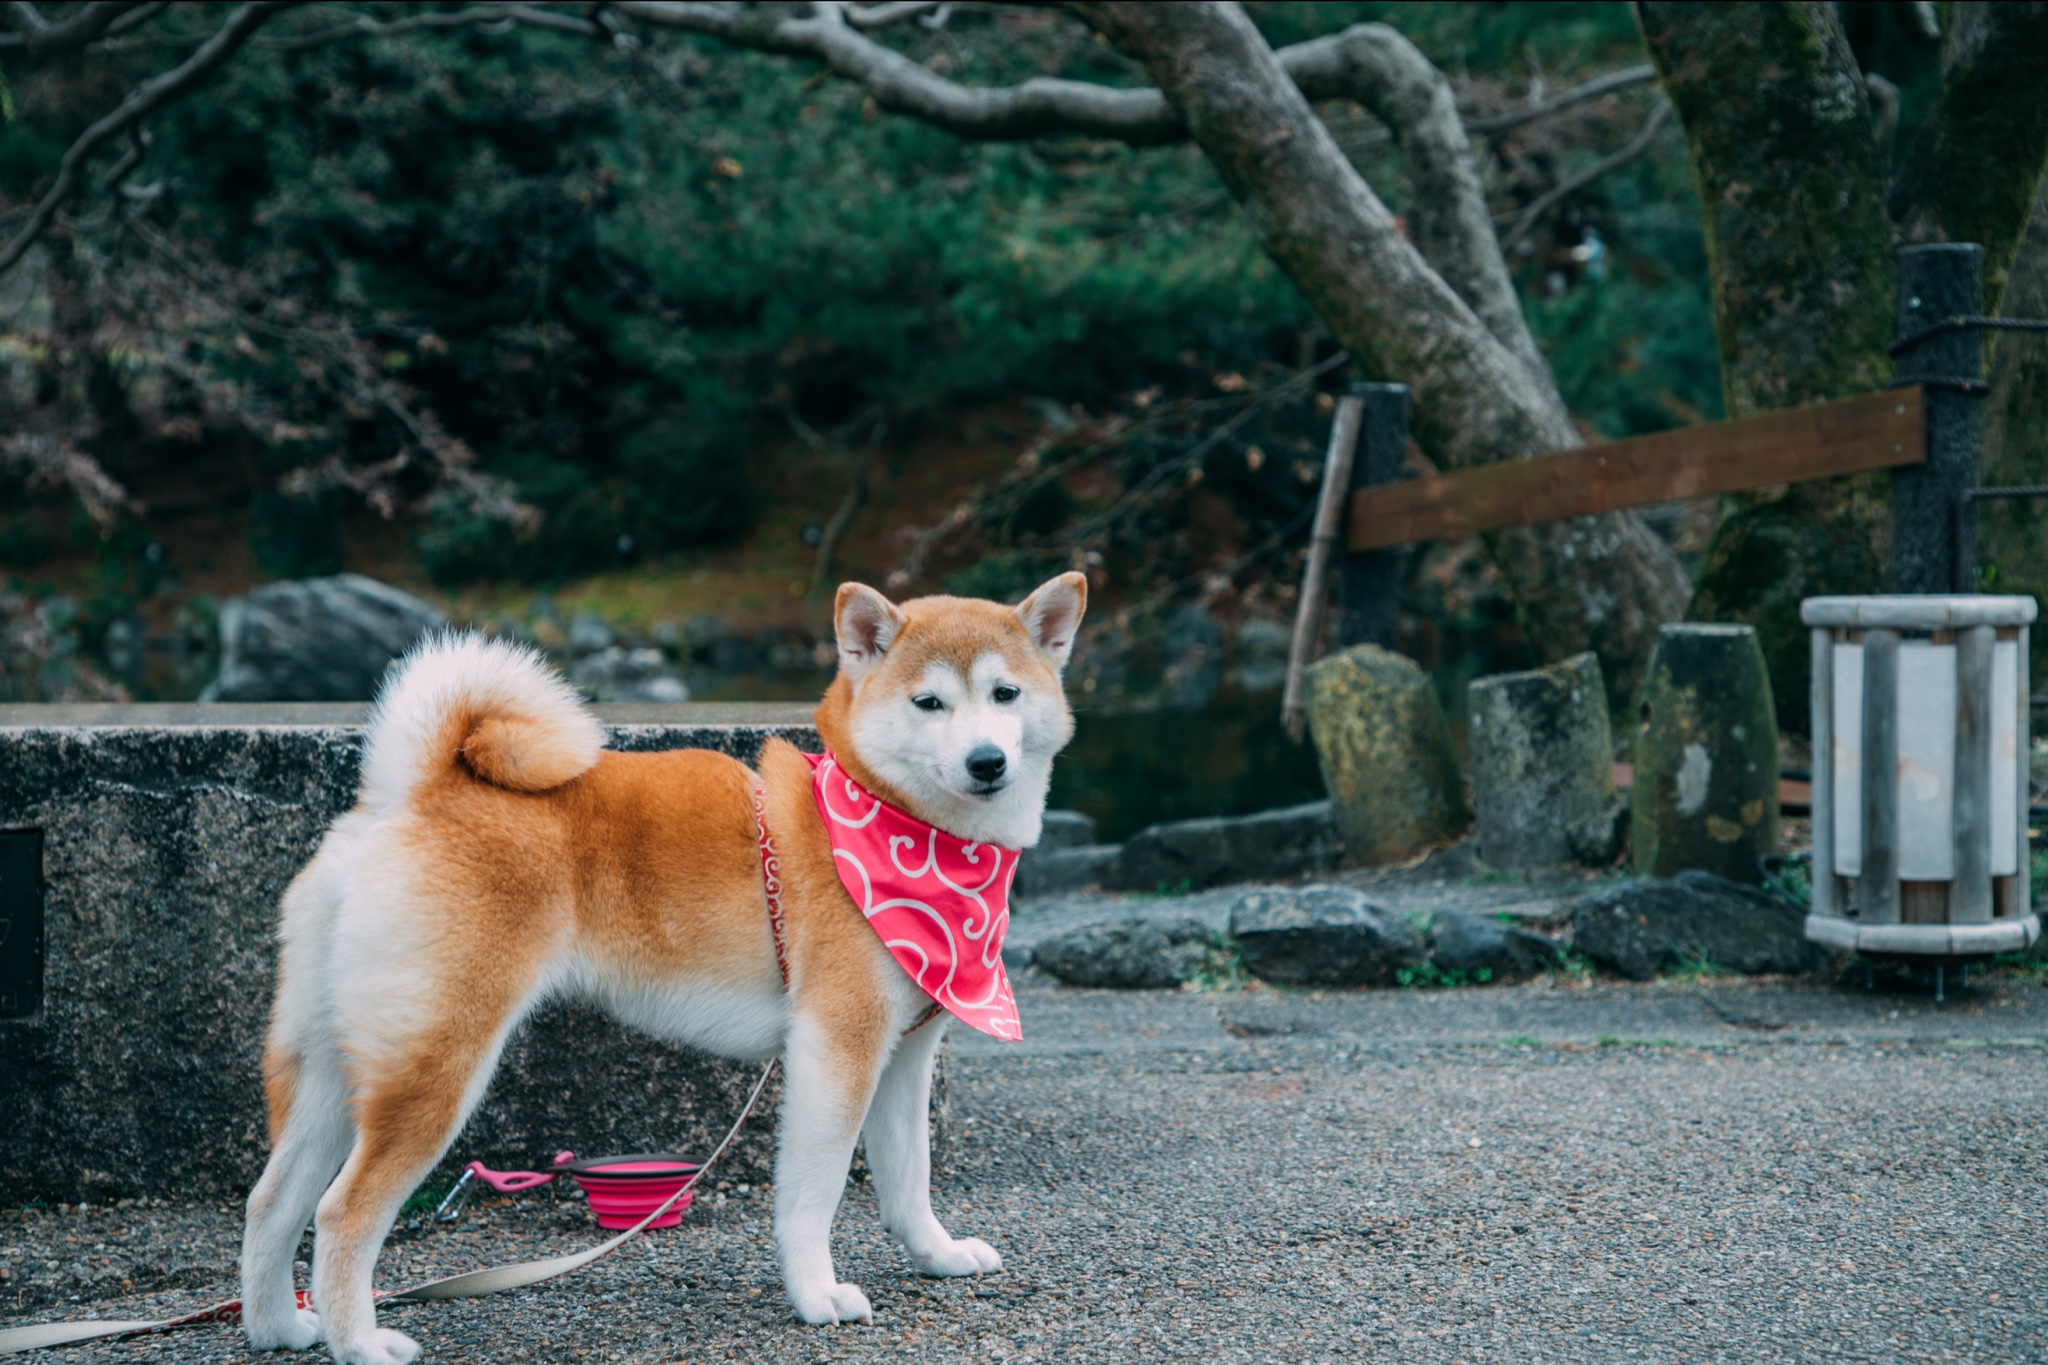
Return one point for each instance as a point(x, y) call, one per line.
point(1877, 889)
point(1969, 900)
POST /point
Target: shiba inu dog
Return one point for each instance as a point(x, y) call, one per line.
point(498, 856)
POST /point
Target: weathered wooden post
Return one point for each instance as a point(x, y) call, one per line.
point(1372, 579)
point(1934, 531)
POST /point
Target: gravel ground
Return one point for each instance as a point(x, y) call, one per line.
point(1677, 1172)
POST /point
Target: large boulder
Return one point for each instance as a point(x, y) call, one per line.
point(1133, 954)
point(1639, 928)
point(1706, 756)
point(1188, 855)
point(1322, 936)
point(1543, 766)
point(316, 639)
point(1483, 949)
point(1385, 753)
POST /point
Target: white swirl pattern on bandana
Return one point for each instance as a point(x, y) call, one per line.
point(942, 919)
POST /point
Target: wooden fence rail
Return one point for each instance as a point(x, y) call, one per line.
point(1870, 431)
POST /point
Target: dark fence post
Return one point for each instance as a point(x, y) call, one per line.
point(1372, 581)
point(1934, 531)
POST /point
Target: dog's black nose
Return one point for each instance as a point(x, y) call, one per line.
point(986, 763)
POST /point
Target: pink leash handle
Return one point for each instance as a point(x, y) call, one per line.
point(504, 1182)
point(511, 1182)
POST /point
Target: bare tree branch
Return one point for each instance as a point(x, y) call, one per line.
point(143, 101)
point(363, 26)
point(1370, 63)
point(1600, 85)
point(43, 38)
point(1527, 219)
point(1447, 213)
point(55, 462)
point(881, 16)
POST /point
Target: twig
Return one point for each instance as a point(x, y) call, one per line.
point(1571, 185)
point(1578, 94)
point(143, 101)
point(880, 16)
point(363, 26)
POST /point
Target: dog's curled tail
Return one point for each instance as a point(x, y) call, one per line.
point(498, 708)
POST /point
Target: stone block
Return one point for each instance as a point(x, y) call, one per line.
point(1322, 936)
point(1385, 755)
point(1639, 928)
point(1484, 949)
point(169, 833)
point(1133, 954)
point(1542, 765)
point(1706, 756)
point(316, 639)
point(1188, 855)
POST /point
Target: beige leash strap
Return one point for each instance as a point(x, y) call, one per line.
point(474, 1284)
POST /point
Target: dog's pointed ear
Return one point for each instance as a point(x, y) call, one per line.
point(866, 624)
point(1052, 614)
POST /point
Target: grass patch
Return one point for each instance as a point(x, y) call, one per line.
point(1166, 891)
point(1222, 968)
point(1574, 966)
point(1611, 1040)
point(1693, 969)
point(1520, 1040)
point(426, 1198)
point(1429, 976)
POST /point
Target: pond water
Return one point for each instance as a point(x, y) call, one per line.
point(1130, 769)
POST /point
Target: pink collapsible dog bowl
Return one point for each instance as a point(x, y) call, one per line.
point(624, 1189)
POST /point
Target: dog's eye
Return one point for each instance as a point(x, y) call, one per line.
point(1006, 693)
point(927, 702)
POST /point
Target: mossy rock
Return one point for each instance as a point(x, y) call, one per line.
point(1385, 753)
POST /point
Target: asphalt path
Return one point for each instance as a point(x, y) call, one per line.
point(1712, 1170)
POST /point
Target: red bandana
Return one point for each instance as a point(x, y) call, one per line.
point(942, 915)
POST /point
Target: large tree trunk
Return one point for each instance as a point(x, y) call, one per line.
point(1975, 165)
point(2012, 537)
point(1601, 583)
point(1801, 246)
point(1801, 267)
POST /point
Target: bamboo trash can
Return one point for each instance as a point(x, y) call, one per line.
point(1920, 776)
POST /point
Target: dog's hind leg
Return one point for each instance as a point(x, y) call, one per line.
point(829, 1076)
point(310, 1135)
point(408, 1107)
point(898, 1134)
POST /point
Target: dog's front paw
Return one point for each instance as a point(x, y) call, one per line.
point(961, 1256)
point(294, 1331)
point(384, 1347)
point(833, 1305)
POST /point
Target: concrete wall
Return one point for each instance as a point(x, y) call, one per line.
point(169, 833)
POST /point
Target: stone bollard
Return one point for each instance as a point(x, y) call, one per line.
point(1543, 767)
point(1385, 753)
point(1706, 756)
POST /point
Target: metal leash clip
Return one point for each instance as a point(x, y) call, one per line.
point(450, 1207)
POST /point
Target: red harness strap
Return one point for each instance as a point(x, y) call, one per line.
point(778, 923)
